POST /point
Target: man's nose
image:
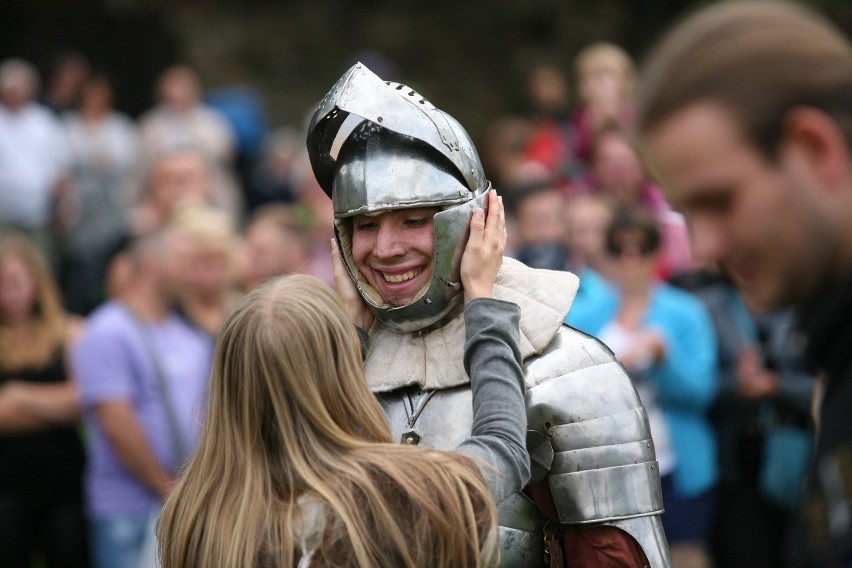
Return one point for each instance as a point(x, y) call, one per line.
point(388, 241)
point(707, 239)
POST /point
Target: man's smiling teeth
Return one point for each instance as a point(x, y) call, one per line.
point(400, 277)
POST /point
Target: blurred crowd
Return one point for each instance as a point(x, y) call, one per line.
point(124, 243)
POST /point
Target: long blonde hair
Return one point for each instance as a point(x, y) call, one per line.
point(290, 418)
point(48, 316)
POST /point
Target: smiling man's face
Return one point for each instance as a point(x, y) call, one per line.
point(758, 218)
point(394, 251)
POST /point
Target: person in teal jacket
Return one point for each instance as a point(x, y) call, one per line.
point(664, 337)
point(594, 297)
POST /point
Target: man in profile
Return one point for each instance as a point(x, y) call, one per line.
point(745, 117)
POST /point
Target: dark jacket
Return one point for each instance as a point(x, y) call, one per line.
point(825, 530)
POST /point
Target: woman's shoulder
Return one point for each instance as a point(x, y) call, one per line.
point(680, 309)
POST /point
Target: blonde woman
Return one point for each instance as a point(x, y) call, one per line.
point(605, 76)
point(41, 454)
point(296, 465)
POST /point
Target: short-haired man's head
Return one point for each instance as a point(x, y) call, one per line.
point(587, 218)
point(276, 241)
point(179, 87)
point(609, 130)
point(540, 215)
point(19, 82)
point(547, 87)
point(758, 59)
point(146, 249)
point(286, 219)
point(178, 176)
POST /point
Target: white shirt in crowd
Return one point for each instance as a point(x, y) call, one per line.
point(33, 158)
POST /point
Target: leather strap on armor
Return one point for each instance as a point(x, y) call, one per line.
point(553, 546)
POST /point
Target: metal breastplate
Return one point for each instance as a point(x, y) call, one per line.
point(588, 436)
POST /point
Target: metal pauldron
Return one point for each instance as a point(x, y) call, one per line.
point(590, 437)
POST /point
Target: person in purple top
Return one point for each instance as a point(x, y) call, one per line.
point(142, 375)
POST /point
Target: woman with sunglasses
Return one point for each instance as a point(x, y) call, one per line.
point(664, 338)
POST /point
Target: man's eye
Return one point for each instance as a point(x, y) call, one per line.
point(417, 222)
point(717, 201)
point(715, 205)
point(365, 226)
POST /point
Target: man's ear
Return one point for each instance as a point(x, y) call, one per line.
point(813, 139)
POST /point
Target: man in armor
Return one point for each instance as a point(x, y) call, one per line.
point(404, 178)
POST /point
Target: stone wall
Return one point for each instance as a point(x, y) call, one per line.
point(467, 57)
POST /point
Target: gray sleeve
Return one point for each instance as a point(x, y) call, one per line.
point(492, 359)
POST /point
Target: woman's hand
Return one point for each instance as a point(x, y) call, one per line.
point(353, 304)
point(14, 418)
point(483, 254)
point(648, 349)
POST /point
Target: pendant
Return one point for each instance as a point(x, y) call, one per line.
point(410, 438)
